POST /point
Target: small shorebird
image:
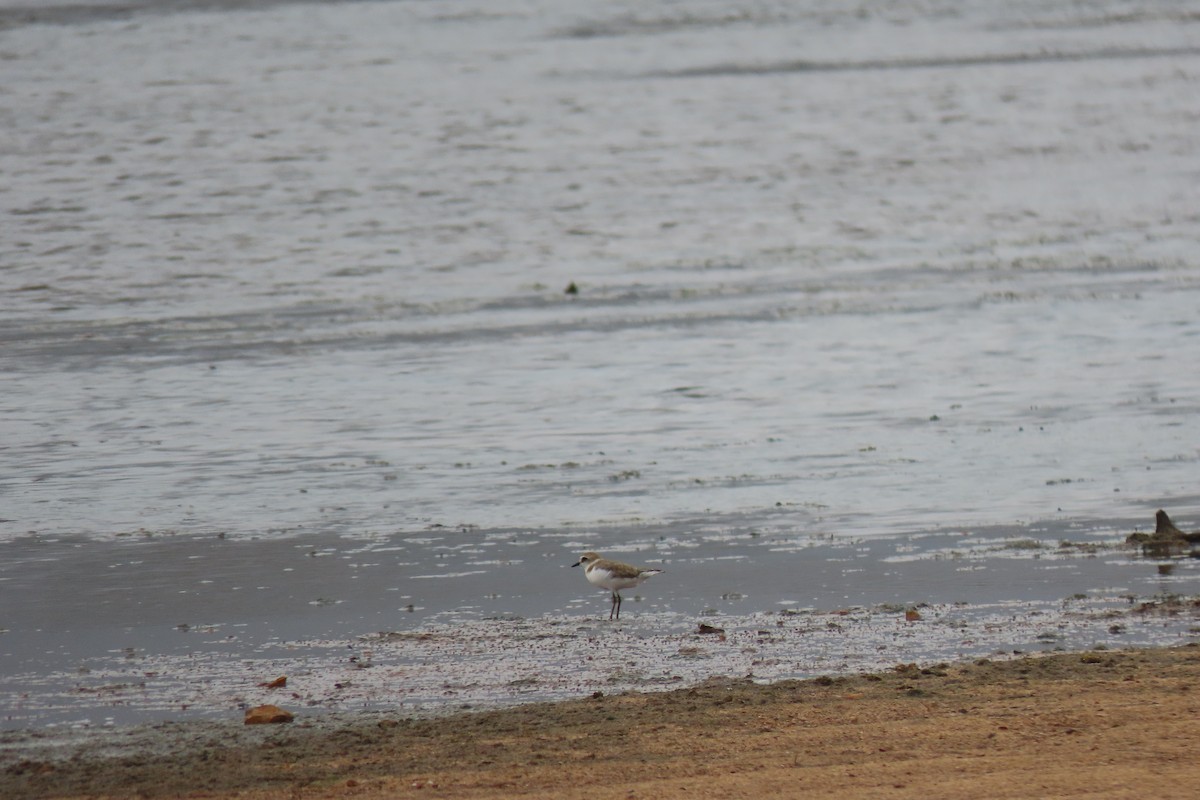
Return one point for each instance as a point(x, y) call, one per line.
point(612, 575)
point(1166, 540)
point(1165, 529)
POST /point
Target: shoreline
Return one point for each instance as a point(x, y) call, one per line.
point(1094, 723)
point(114, 656)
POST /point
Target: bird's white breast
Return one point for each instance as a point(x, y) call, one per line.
point(600, 575)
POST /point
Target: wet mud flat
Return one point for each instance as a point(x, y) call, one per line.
point(1095, 723)
point(183, 629)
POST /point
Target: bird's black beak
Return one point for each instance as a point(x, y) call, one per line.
point(577, 563)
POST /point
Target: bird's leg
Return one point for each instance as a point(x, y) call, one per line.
point(616, 606)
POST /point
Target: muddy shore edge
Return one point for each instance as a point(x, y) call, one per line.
point(1096, 723)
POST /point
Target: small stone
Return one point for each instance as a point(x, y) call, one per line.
point(268, 714)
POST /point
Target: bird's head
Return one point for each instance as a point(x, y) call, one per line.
point(587, 558)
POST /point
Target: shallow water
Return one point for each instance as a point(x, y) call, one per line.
point(854, 284)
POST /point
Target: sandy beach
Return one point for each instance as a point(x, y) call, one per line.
point(1097, 724)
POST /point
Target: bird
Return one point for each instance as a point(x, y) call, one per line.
point(1166, 540)
point(612, 575)
point(1165, 529)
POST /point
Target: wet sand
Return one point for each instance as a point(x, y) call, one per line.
point(129, 646)
point(1099, 724)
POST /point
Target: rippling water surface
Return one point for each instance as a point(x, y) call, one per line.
point(330, 318)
